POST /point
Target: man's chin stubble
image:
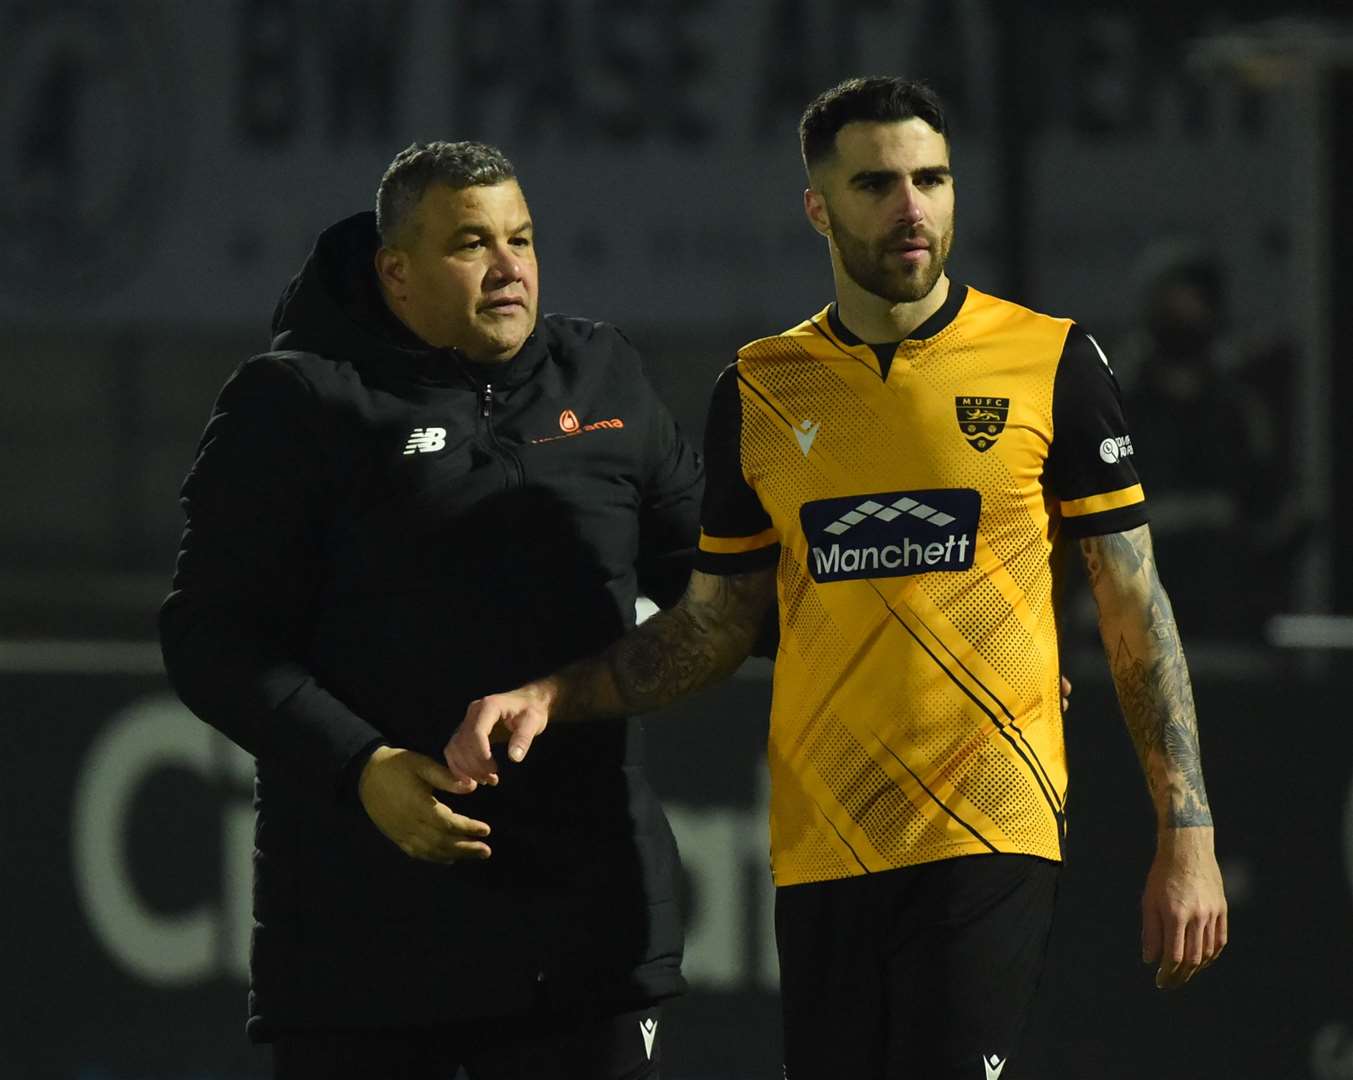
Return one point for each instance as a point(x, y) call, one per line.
point(906, 292)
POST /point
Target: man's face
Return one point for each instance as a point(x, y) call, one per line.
point(886, 200)
point(464, 275)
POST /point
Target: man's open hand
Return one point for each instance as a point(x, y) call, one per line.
point(398, 791)
point(516, 717)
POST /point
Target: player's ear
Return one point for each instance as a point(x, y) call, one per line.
point(815, 207)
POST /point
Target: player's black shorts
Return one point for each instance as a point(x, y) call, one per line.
point(923, 973)
point(621, 1046)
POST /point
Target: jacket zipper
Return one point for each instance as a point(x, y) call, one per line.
point(486, 411)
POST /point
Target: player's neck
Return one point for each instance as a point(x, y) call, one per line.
point(875, 320)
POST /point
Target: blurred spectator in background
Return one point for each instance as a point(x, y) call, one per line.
point(1208, 450)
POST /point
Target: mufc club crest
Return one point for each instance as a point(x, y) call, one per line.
point(981, 420)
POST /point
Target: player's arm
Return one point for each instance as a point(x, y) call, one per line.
point(1183, 907)
point(699, 641)
point(1092, 472)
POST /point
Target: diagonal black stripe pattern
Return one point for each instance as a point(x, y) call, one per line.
point(769, 404)
point(1057, 816)
point(854, 854)
point(1042, 775)
point(935, 798)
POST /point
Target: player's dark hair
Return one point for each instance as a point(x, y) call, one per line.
point(417, 167)
point(878, 99)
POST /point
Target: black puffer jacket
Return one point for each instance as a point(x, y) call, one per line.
point(378, 532)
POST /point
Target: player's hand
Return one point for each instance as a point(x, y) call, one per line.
point(1183, 907)
point(517, 717)
point(1066, 693)
point(398, 791)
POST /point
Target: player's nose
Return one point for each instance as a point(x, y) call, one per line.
point(909, 209)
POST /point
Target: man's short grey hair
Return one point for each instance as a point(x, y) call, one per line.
point(417, 167)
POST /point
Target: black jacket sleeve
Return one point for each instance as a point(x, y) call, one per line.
point(235, 623)
point(669, 516)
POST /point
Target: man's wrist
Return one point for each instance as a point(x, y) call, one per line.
point(1185, 839)
point(351, 784)
point(550, 693)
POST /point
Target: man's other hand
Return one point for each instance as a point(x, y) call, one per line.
point(1066, 693)
point(516, 717)
point(398, 791)
point(1183, 907)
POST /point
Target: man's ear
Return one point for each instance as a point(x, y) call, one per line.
point(392, 267)
point(815, 208)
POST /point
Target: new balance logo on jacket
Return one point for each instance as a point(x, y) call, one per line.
point(426, 440)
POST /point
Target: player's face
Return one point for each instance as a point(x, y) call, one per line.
point(469, 276)
point(889, 200)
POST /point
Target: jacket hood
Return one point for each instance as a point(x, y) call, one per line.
point(334, 307)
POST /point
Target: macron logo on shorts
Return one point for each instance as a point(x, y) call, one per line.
point(648, 1028)
point(994, 1066)
point(891, 534)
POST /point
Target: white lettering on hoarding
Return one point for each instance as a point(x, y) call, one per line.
point(723, 851)
point(163, 949)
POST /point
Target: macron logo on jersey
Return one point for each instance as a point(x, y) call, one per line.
point(426, 440)
point(891, 534)
point(806, 432)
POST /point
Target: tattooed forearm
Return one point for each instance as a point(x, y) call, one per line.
point(1146, 658)
point(676, 652)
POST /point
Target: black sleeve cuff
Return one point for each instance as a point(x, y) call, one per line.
point(352, 773)
point(741, 562)
point(1108, 521)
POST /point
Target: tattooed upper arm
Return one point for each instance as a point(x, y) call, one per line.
point(737, 599)
point(703, 638)
point(1119, 559)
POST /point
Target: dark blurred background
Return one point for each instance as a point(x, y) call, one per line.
point(1178, 177)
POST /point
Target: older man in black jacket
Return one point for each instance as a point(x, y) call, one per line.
point(424, 492)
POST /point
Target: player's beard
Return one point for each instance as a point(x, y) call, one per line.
point(879, 271)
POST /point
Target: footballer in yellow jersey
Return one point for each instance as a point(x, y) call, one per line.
point(912, 503)
point(898, 471)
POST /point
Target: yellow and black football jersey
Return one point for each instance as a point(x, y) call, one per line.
point(911, 497)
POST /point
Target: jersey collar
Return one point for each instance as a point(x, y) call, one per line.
point(942, 317)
